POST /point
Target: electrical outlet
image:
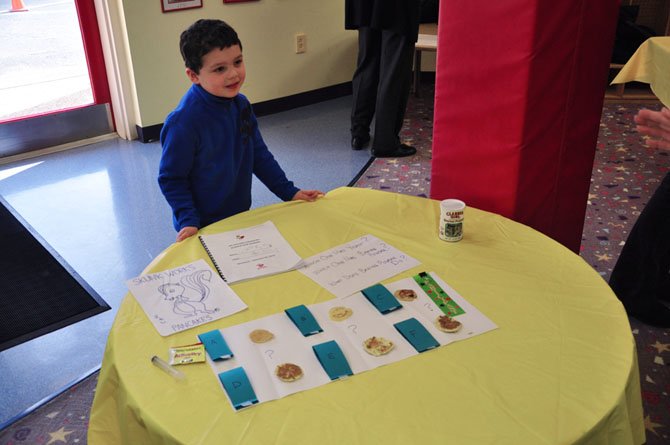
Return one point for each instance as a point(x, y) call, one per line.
point(300, 43)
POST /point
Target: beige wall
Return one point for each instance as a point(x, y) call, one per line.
point(266, 29)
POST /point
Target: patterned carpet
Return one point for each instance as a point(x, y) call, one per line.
point(624, 176)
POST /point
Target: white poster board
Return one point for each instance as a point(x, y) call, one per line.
point(259, 360)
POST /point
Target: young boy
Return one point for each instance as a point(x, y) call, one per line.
point(211, 142)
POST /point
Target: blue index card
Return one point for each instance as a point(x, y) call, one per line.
point(417, 334)
point(237, 386)
point(304, 320)
point(381, 298)
point(332, 360)
point(215, 345)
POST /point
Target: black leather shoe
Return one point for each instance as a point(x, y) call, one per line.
point(360, 142)
point(400, 151)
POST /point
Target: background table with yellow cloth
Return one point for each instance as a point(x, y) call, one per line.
point(560, 369)
point(650, 64)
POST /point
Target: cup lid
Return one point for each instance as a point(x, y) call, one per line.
point(452, 205)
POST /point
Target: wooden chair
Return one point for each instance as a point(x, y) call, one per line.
point(427, 41)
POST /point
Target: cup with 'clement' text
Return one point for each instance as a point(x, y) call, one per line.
point(451, 220)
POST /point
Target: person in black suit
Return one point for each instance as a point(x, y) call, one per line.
point(387, 32)
point(641, 276)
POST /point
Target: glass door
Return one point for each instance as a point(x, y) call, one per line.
point(53, 86)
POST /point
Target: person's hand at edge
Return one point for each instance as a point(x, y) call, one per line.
point(186, 232)
point(655, 125)
point(307, 195)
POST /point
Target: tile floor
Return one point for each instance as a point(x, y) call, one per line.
point(100, 208)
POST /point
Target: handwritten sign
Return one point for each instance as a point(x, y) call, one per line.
point(184, 297)
point(353, 266)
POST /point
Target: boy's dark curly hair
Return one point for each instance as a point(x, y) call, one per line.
point(202, 37)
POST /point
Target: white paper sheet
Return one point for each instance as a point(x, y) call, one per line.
point(250, 252)
point(289, 345)
point(184, 297)
point(358, 264)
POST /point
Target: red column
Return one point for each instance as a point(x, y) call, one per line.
point(90, 34)
point(518, 96)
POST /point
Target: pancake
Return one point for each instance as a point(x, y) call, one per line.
point(378, 346)
point(288, 372)
point(339, 313)
point(405, 294)
point(447, 324)
point(261, 336)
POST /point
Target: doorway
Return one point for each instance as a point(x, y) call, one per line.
point(53, 83)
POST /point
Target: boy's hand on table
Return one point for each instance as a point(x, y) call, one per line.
point(186, 232)
point(307, 195)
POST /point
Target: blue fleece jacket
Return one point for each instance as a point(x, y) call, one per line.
point(211, 147)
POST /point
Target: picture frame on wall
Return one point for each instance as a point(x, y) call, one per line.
point(179, 5)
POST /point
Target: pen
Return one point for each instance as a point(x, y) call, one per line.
point(167, 368)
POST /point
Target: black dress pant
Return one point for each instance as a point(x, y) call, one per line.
point(381, 85)
point(641, 275)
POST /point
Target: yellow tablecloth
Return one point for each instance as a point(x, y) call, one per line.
point(561, 368)
point(650, 64)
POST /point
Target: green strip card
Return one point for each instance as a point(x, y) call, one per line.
point(438, 295)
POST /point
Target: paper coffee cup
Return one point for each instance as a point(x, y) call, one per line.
point(451, 220)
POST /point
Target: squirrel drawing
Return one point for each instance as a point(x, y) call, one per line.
point(183, 303)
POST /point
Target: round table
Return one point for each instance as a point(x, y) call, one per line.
point(560, 369)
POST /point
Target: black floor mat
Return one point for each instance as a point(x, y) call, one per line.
point(39, 291)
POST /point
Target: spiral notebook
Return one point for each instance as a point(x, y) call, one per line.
point(250, 252)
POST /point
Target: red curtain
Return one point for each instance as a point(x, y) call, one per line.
point(518, 97)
